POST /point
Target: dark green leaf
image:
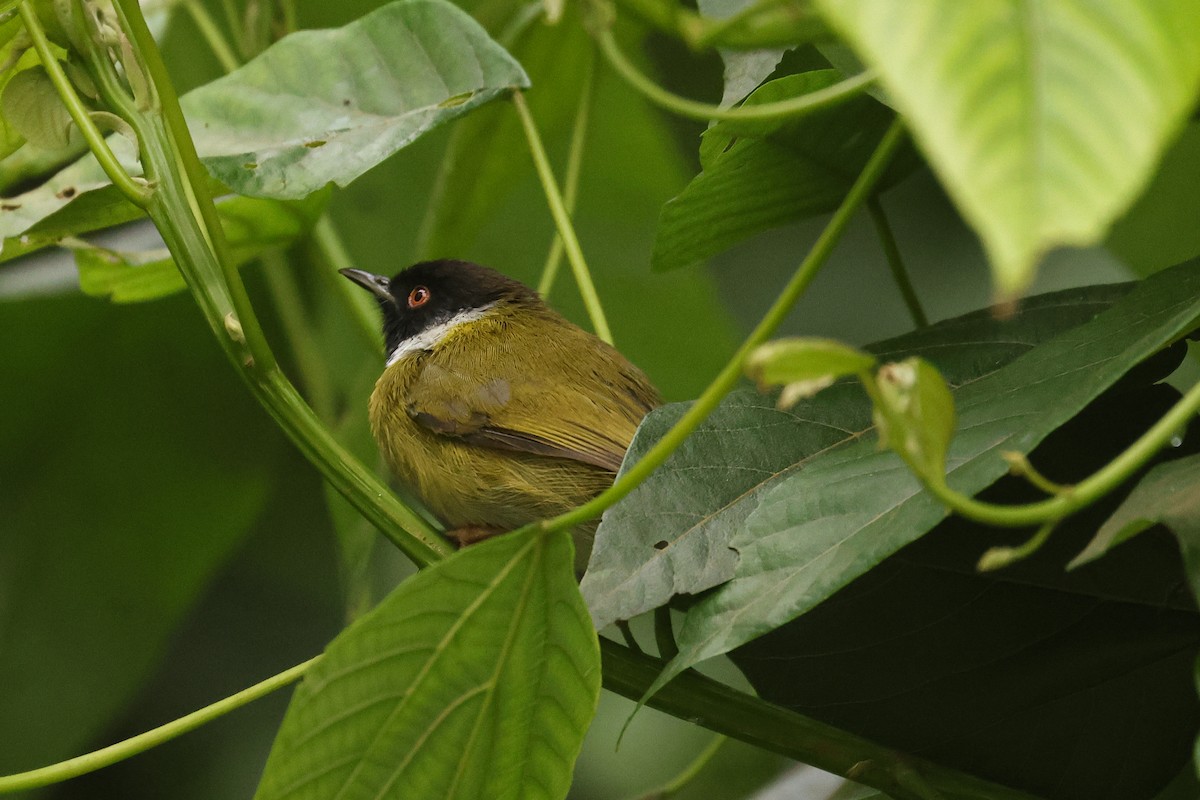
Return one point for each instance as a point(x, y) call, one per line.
point(671, 535)
point(1043, 120)
point(818, 528)
point(752, 184)
point(1075, 686)
point(326, 106)
point(1168, 495)
point(475, 678)
point(252, 226)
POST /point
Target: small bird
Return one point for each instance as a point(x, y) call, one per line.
point(495, 409)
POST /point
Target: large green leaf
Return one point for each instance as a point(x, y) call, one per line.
point(317, 107)
point(1076, 686)
point(322, 106)
point(1043, 118)
point(252, 226)
point(814, 530)
point(751, 183)
point(475, 678)
point(671, 536)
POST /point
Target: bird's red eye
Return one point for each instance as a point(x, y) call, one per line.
point(418, 297)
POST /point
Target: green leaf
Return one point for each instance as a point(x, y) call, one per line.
point(914, 414)
point(1044, 120)
point(671, 535)
point(1168, 495)
point(475, 678)
point(804, 366)
point(252, 226)
point(750, 185)
point(816, 529)
point(30, 106)
point(326, 106)
point(316, 107)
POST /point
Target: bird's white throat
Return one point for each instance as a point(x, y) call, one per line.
point(435, 333)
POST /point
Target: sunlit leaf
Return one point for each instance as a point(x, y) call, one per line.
point(914, 414)
point(804, 366)
point(475, 678)
point(1043, 119)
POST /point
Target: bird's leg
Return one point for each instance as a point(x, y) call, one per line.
point(470, 534)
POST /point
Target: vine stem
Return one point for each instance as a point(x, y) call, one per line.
point(212, 35)
point(90, 762)
point(562, 220)
point(781, 109)
point(182, 209)
point(729, 375)
point(1081, 494)
point(135, 192)
point(891, 251)
point(574, 168)
point(689, 773)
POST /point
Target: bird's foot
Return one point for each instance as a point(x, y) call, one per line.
point(470, 534)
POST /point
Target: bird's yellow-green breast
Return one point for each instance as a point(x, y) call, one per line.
point(496, 410)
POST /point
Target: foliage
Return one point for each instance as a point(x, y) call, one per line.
point(944, 561)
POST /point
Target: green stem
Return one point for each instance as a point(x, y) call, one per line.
point(562, 220)
point(82, 765)
point(186, 218)
point(137, 193)
point(213, 36)
point(728, 377)
point(298, 331)
point(719, 708)
point(999, 557)
point(357, 302)
point(782, 109)
point(767, 23)
point(574, 167)
point(887, 240)
point(689, 773)
point(1086, 491)
point(1019, 466)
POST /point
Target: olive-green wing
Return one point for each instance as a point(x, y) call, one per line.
point(580, 417)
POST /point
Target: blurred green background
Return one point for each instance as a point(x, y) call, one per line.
point(162, 545)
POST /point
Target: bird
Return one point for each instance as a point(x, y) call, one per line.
point(492, 407)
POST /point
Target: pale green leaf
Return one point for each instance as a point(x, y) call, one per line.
point(804, 366)
point(326, 106)
point(1168, 495)
point(915, 414)
point(476, 678)
point(744, 69)
point(317, 107)
point(818, 528)
point(252, 226)
point(1044, 119)
point(30, 105)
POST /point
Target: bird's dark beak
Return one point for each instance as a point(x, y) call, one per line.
point(375, 284)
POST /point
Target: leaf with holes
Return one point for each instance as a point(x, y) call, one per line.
point(671, 535)
point(1044, 120)
point(475, 678)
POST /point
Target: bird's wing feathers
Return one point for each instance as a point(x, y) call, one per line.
point(502, 407)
